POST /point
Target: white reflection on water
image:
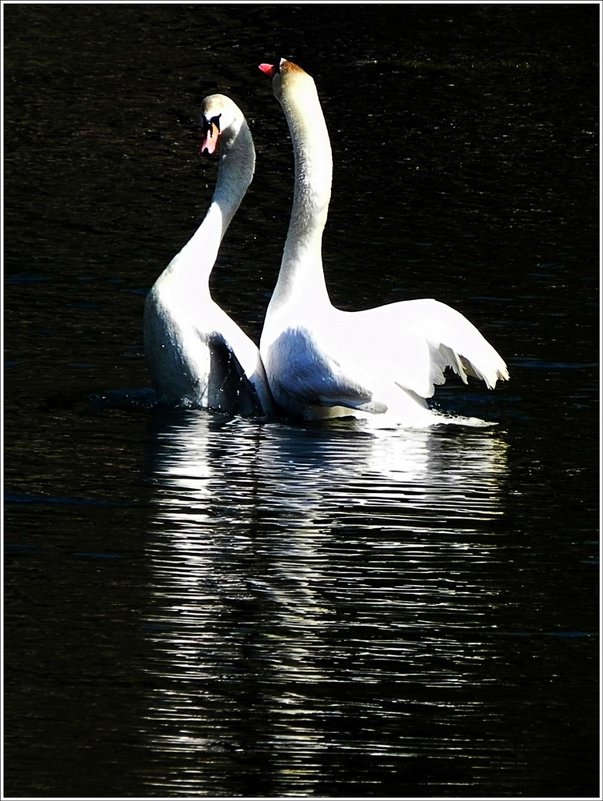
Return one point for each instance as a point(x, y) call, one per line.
point(314, 590)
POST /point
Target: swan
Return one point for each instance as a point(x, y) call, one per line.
point(197, 355)
point(325, 362)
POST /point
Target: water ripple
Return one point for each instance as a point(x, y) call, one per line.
point(295, 567)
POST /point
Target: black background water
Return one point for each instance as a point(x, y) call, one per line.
point(197, 606)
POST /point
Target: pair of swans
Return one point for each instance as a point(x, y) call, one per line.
point(314, 360)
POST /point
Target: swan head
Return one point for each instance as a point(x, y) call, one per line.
point(221, 120)
point(286, 76)
point(296, 92)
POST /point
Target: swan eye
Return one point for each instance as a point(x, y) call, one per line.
point(208, 125)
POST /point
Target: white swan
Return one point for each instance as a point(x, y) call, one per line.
point(325, 362)
point(198, 356)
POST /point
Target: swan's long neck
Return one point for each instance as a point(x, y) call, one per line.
point(301, 274)
point(235, 172)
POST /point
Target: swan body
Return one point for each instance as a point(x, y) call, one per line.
point(198, 356)
point(325, 362)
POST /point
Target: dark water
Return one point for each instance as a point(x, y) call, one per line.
point(200, 606)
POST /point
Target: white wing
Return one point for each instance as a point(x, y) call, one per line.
point(309, 373)
point(417, 340)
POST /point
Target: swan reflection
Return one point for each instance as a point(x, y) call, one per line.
point(294, 569)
